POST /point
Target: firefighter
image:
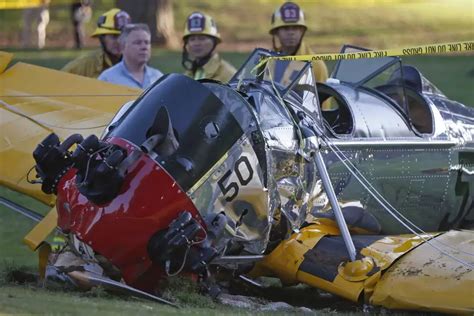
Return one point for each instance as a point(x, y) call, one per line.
point(288, 27)
point(199, 59)
point(108, 30)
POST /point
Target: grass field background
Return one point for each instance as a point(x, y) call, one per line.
point(32, 298)
point(454, 75)
point(244, 25)
point(376, 24)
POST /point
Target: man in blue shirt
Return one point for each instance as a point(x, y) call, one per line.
point(133, 71)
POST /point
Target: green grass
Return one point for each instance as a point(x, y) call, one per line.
point(26, 299)
point(375, 24)
point(31, 298)
point(16, 297)
point(454, 75)
point(165, 60)
point(380, 24)
point(13, 227)
point(243, 24)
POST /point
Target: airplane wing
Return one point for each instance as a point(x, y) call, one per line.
point(22, 4)
point(36, 101)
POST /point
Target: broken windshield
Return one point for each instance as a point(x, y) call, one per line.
point(371, 72)
point(289, 79)
point(359, 71)
point(282, 74)
point(385, 77)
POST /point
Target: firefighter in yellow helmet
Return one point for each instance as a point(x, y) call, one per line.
point(108, 30)
point(287, 30)
point(199, 58)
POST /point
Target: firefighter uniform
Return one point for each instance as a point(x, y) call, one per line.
point(319, 67)
point(94, 63)
point(90, 65)
point(216, 68)
point(212, 66)
point(320, 70)
point(290, 14)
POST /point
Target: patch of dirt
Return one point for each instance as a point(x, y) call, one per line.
point(22, 277)
point(298, 296)
point(11, 274)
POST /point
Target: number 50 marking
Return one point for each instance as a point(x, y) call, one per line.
point(233, 186)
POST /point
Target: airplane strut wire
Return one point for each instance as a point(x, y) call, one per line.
point(391, 209)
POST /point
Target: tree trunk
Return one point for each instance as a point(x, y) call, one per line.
point(164, 20)
point(158, 14)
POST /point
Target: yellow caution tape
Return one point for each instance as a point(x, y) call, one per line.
point(455, 47)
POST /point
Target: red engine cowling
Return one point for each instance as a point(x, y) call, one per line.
point(120, 230)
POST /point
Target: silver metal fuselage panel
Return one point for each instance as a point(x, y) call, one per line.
point(414, 172)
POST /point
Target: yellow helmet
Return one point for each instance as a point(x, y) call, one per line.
point(288, 14)
point(198, 23)
point(111, 22)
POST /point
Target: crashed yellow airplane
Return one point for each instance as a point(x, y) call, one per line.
point(200, 176)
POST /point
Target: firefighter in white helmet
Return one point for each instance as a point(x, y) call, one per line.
point(108, 29)
point(199, 58)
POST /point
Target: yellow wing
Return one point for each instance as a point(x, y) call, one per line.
point(36, 101)
point(19, 4)
point(398, 272)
